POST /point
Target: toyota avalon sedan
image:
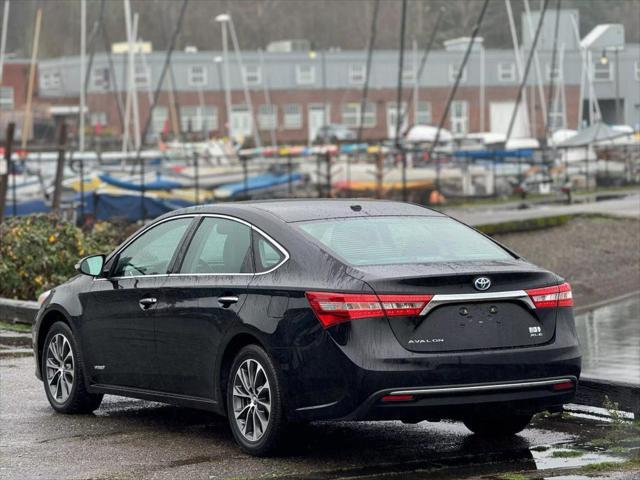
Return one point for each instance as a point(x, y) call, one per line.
point(279, 312)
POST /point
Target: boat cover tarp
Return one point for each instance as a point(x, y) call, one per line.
point(158, 184)
point(595, 133)
point(258, 182)
point(27, 208)
point(490, 154)
point(108, 206)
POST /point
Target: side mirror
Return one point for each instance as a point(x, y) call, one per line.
point(91, 265)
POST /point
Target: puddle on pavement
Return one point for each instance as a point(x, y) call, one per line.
point(610, 341)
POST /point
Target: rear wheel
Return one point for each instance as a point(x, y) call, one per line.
point(497, 424)
point(254, 402)
point(62, 373)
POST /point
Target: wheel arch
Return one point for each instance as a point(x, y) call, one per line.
point(233, 346)
point(48, 319)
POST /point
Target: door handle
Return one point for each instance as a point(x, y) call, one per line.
point(228, 300)
point(146, 303)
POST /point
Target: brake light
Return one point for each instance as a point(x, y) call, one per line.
point(333, 308)
point(550, 297)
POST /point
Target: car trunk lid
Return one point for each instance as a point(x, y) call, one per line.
point(460, 317)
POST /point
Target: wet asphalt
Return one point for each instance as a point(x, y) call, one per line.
point(132, 439)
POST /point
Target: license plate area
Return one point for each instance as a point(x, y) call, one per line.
point(474, 326)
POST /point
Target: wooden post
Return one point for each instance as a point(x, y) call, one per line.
point(26, 124)
point(57, 185)
point(4, 178)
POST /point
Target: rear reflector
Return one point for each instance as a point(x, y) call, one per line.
point(333, 308)
point(563, 386)
point(397, 398)
point(550, 297)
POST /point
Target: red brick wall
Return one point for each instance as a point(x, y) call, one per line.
point(16, 75)
point(104, 102)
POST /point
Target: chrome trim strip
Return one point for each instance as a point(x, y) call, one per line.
point(215, 215)
point(482, 388)
point(442, 299)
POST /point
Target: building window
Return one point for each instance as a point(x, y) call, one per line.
point(160, 119)
point(556, 116)
point(267, 117)
point(142, 76)
point(459, 117)
point(423, 116)
point(197, 75)
point(198, 119)
point(292, 116)
point(50, 79)
point(408, 73)
point(252, 74)
point(305, 74)
point(555, 74)
point(351, 114)
point(602, 72)
point(506, 72)
point(453, 73)
point(101, 78)
point(98, 118)
point(357, 73)
point(6, 98)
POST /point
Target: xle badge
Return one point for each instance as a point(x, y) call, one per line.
point(535, 331)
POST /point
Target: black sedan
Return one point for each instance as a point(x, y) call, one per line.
point(291, 311)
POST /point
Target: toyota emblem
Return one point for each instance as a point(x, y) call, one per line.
point(482, 283)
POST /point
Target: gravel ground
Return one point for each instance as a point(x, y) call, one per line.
point(600, 257)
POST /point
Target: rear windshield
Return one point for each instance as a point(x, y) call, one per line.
point(395, 240)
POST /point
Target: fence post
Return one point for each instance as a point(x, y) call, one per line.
point(328, 160)
point(4, 178)
point(57, 186)
point(197, 177)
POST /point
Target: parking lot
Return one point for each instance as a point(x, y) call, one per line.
point(131, 439)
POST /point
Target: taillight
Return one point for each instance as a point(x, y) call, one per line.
point(333, 308)
point(550, 297)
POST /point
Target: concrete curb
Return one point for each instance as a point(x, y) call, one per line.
point(18, 311)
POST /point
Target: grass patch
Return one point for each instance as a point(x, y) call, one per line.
point(567, 454)
point(512, 476)
point(15, 327)
point(539, 448)
point(631, 464)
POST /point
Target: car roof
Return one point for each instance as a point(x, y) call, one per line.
point(298, 210)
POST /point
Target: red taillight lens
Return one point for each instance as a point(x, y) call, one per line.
point(397, 398)
point(550, 297)
point(333, 308)
point(563, 386)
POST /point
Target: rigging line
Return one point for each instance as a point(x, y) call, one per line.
point(423, 62)
point(403, 26)
point(453, 91)
point(551, 103)
point(526, 72)
point(365, 88)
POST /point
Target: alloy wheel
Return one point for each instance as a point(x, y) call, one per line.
point(251, 400)
point(59, 368)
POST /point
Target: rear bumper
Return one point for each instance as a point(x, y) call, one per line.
point(456, 401)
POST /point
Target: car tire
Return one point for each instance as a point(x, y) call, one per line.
point(63, 373)
point(497, 424)
point(254, 402)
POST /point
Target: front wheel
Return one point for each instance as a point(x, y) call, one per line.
point(497, 424)
point(254, 402)
point(62, 373)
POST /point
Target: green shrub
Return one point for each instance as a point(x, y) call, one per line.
point(38, 252)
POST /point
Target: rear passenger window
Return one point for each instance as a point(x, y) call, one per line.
point(219, 246)
point(267, 255)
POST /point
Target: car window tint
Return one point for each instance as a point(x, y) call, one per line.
point(150, 253)
point(389, 240)
point(267, 255)
point(219, 246)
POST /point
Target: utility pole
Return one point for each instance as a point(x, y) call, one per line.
point(83, 66)
point(4, 172)
point(26, 124)
point(57, 186)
